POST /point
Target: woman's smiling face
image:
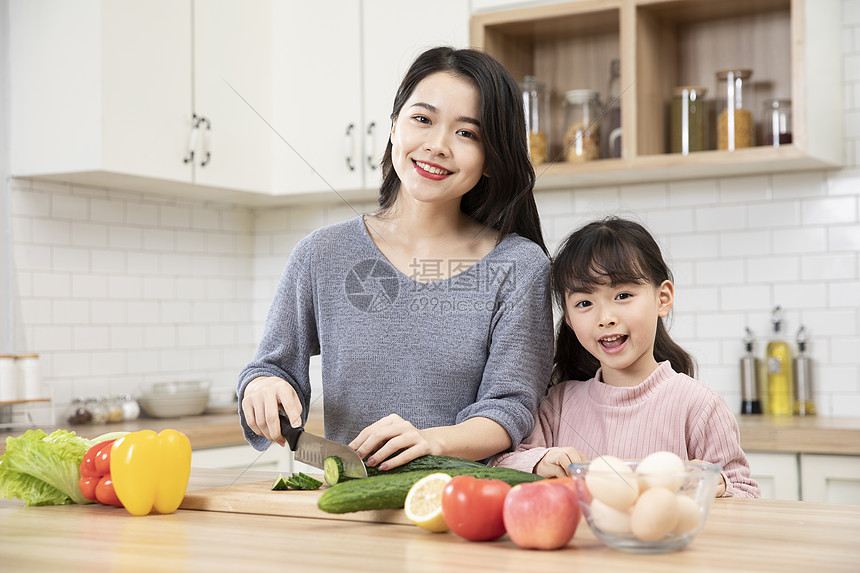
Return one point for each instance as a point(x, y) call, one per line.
point(436, 145)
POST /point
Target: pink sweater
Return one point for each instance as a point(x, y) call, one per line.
point(668, 411)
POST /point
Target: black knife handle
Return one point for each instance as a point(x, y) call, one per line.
point(290, 433)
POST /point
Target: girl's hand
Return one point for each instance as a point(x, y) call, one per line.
point(264, 398)
point(721, 487)
point(388, 436)
point(555, 462)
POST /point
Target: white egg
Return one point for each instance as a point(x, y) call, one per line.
point(609, 519)
point(655, 514)
point(612, 481)
point(689, 514)
point(661, 469)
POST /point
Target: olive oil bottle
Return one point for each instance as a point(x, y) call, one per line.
point(780, 375)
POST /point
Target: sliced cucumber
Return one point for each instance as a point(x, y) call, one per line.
point(333, 470)
point(280, 483)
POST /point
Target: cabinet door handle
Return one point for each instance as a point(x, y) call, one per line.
point(192, 139)
point(207, 142)
point(349, 147)
point(371, 146)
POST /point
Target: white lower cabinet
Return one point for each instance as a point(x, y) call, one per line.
point(830, 478)
point(777, 474)
point(243, 457)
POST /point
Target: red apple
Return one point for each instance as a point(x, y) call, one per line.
point(541, 515)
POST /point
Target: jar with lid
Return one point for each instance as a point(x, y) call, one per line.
point(776, 122)
point(78, 413)
point(98, 410)
point(582, 132)
point(114, 408)
point(130, 408)
point(29, 377)
point(689, 120)
point(734, 119)
point(536, 107)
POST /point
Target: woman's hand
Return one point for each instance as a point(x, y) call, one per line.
point(392, 434)
point(555, 462)
point(264, 398)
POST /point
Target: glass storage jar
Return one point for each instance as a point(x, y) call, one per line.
point(689, 120)
point(536, 107)
point(734, 119)
point(776, 122)
point(582, 132)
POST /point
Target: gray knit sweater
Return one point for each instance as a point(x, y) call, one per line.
point(477, 344)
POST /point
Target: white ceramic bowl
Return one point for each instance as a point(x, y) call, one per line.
point(698, 482)
point(188, 388)
point(174, 407)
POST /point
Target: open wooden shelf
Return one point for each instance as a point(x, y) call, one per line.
point(792, 46)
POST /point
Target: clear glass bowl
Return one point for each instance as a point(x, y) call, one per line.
point(698, 482)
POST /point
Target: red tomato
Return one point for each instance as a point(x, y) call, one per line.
point(87, 485)
point(473, 507)
point(103, 458)
point(105, 493)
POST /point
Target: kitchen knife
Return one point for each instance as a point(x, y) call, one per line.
point(312, 450)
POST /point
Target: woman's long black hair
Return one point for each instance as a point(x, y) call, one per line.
point(614, 251)
point(504, 201)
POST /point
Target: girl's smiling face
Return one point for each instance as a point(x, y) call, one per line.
point(617, 325)
point(436, 145)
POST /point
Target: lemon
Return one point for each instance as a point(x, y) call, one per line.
point(423, 503)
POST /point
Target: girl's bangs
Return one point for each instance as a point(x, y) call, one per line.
point(604, 263)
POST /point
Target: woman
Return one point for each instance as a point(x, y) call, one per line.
point(432, 315)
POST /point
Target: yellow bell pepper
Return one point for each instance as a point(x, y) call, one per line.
point(150, 471)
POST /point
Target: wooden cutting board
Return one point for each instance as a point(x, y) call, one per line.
point(259, 498)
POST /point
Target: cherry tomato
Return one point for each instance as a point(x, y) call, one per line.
point(88, 464)
point(473, 507)
point(103, 458)
point(105, 493)
point(87, 485)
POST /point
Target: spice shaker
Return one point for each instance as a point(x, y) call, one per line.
point(803, 403)
point(613, 112)
point(734, 120)
point(776, 122)
point(750, 402)
point(536, 107)
point(582, 134)
point(689, 120)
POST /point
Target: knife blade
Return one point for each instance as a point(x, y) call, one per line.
point(313, 450)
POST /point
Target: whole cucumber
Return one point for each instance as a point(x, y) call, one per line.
point(389, 491)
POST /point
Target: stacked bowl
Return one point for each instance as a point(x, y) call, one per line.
point(174, 399)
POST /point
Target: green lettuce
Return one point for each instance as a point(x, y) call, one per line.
point(44, 469)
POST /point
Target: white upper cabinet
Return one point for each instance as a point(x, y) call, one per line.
point(108, 93)
point(337, 66)
point(232, 92)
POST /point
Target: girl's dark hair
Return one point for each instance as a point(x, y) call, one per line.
point(616, 251)
point(504, 201)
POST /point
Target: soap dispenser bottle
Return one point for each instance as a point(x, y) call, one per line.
point(750, 402)
point(803, 402)
point(780, 378)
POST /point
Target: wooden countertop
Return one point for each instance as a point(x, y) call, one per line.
point(206, 431)
point(807, 434)
point(741, 535)
point(811, 434)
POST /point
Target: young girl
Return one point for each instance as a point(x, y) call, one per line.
point(432, 315)
point(620, 386)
